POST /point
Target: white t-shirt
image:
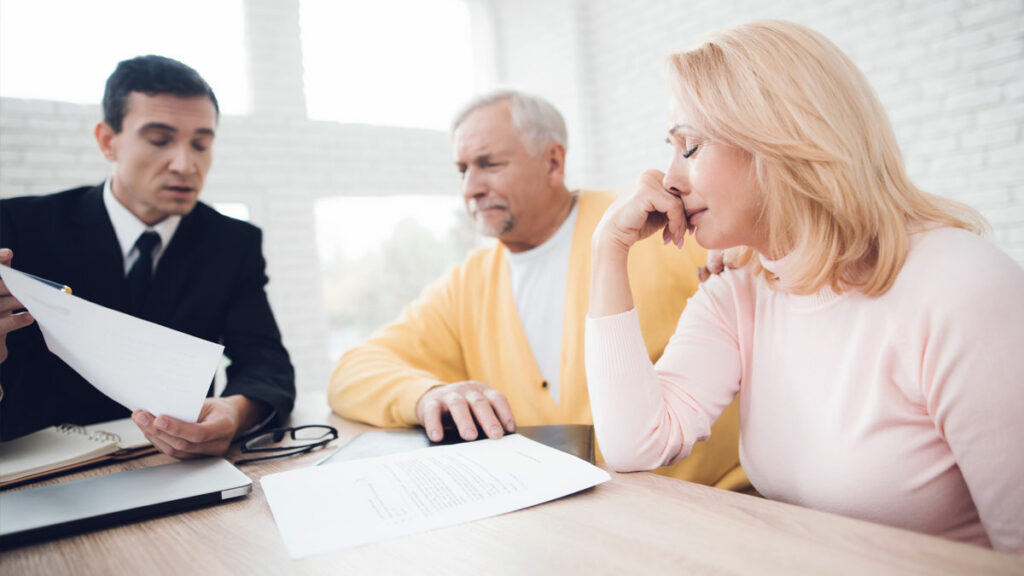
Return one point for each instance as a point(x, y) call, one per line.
point(539, 277)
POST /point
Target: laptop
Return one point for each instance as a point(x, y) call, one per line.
point(61, 509)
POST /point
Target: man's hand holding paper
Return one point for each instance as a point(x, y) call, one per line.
point(220, 421)
point(141, 365)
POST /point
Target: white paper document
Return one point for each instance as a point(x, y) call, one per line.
point(138, 364)
point(347, 504)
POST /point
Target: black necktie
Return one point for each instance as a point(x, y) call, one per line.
point(142, 271)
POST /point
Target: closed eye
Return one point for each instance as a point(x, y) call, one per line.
point(681, 143)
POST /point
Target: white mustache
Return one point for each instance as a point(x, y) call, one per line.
point(475, 205)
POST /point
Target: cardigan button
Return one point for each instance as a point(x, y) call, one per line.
point(544, 384)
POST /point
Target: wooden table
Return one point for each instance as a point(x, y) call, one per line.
point(636, 524)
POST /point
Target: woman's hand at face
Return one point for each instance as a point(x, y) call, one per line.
point(642, 212)
point(635, 216)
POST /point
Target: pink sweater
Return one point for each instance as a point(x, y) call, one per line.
point(905, 409)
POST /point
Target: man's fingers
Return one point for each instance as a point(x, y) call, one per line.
point(468, 403)
point(183, 436)
point(144, 420)
point(716, 261)
point(182, 448)
point(165, 448)
point(484, 413)
point(15, 321)
point(5, 260)
point(179, 444)
point(9, 304)
point(191, 433)
point(147, 423)
point(502, 409)
point(458, 407)
point(185, 448)
point(430, 417)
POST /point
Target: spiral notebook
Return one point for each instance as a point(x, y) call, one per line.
point(66, 447)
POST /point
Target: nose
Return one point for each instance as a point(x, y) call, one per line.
point(473, 183)
point(677, 176)
point(182, 160)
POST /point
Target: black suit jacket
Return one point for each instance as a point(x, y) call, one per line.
point(209, 283)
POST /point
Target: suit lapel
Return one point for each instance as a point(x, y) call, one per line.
point(175, 270)
point(97, 259)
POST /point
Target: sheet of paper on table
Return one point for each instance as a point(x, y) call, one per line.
point(138, 364)
point(323, 508)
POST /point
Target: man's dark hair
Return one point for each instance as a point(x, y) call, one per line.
point(150, 75)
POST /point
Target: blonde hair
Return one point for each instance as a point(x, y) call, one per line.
point(836, 197)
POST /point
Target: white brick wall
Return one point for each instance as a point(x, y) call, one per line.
point(279, 167)
point(274, 56)
point(950, 72)
point(274, 160)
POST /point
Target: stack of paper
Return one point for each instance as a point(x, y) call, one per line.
point(322, 508)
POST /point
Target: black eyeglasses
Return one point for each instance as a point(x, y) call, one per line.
point(290, 441)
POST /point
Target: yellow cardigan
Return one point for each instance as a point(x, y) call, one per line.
point(465, 326)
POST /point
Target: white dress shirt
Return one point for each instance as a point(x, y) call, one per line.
point(128, 228)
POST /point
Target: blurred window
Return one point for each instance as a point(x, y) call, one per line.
point(387, 62)
point(64, 49)
point(378, 253)
point(236, 210)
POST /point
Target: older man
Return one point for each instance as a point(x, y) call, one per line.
point(498, 341)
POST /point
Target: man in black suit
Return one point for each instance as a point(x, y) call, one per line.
point(141, 243)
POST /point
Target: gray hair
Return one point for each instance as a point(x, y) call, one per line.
point(537, 120)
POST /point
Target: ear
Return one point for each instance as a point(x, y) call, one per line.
point(554, 156)
point(105, 140)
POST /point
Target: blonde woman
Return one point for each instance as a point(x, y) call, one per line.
point(874, 338)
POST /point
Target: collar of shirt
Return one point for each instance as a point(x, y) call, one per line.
point(783, 270)
point(128, 227)
point(561, 238)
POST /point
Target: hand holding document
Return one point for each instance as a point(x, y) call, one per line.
point(138, 364)
point(358, 502)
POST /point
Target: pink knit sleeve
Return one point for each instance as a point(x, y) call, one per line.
point(971, 341)
point(647, 416)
